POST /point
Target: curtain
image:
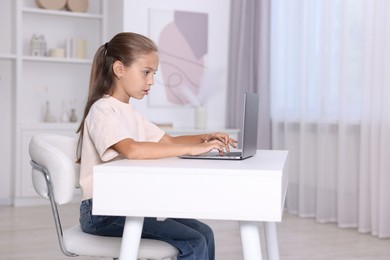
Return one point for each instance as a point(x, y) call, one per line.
point(249, 64)
point(330, 107)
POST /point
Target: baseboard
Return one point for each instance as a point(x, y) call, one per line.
point(5, 202)
point(38, 201)
point(30, 202)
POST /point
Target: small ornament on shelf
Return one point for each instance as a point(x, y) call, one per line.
point(64, 114)
point(64, 117)
point(48, 117)
point(57, 53)
point(77, 5)
point(73, 116)
point(76, 48)
point(38, 45)
point(70, 5)
point(51, 4)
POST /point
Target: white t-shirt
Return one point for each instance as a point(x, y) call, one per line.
point(108, 122)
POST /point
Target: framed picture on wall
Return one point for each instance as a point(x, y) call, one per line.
point(193, 41)
point(182, 37)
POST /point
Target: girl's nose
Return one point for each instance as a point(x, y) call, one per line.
point(151, 81)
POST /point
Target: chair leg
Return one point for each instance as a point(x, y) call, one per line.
point(174, 258)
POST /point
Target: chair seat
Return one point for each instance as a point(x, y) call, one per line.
point(83, 244)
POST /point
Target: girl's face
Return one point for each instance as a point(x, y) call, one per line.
point(136, 80)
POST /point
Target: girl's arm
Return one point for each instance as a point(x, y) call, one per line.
point(152, 150)
point(202, 138)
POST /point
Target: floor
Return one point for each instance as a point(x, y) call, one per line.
point(27, 233)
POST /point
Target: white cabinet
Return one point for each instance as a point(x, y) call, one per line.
point(60, 78)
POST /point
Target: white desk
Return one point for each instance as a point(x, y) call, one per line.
point(250, 191)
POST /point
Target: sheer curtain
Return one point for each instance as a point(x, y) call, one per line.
point(249, 63)
point(330, 107)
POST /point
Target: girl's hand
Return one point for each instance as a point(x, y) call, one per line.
point(224, 138)
point(207, 147)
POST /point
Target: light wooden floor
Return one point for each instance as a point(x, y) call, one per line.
point(27, 233)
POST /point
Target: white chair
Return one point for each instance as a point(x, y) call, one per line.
point(55, 176)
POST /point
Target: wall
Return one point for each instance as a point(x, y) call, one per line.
point(7, 83)
point(115, 18)
point(135, 19)
point(6, 149)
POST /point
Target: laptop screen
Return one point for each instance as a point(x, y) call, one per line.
point(250, 124)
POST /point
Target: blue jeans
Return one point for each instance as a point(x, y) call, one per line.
point(193, 239)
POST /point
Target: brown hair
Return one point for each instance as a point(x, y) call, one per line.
point(125, 47)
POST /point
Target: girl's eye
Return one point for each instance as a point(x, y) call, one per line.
point(148, 72)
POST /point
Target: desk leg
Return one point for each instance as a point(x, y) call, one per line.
point(131, 238)
point(271, 240)
point(250, 240)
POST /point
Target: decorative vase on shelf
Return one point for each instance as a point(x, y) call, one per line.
point(73, 117)
point(48, 117)
point(38, 45)
point(200, 117)
point(35, 47)
point(64, 114)
point(64, 117)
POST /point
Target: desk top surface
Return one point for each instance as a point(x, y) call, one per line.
point(272, 161)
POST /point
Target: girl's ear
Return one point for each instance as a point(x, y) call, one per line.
point(118, 69)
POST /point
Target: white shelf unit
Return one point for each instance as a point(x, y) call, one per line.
point(63, 82)
point(7, 56)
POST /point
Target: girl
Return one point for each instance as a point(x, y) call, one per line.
point(112, 129)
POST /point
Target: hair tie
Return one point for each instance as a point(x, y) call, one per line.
point(105, 48)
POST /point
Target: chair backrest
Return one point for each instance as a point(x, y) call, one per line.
point(57, 155)
point(55, 175)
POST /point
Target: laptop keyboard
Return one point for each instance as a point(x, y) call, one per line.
point(232, 154)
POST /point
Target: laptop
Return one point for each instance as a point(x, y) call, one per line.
point(248, 137)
